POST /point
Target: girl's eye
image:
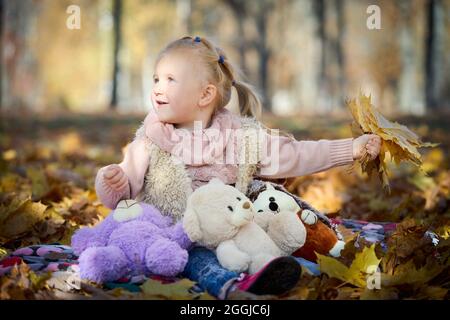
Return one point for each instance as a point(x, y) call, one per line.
point(171, 79)
point(155, 80)
point(230, 208)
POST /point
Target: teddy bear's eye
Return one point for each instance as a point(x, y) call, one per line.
point(271, 199)
point(230, 208)
point(260, 210)
point(238, 198)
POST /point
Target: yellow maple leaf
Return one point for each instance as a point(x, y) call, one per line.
point(444, 232)
point(365, 263)
point(20, 219)
point(39, 182)
point(3, 253)
point(398, 143)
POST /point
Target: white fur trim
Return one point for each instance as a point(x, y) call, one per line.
point(336, 250)
point(249, 153)
point(167, 183)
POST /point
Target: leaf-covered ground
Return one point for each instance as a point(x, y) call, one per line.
point(47, 170)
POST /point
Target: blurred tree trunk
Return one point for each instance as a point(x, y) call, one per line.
point(264, 55)
point(240, 12)
point(117, 18)
point(319, 10)
point(331, 76)
point(340, 57)
point(184, 9)
point(1, 51)
point(258, 12)
point(18, 62)
point(430, 61)
point(435, 91)
point(242, 44)
point(409, 93)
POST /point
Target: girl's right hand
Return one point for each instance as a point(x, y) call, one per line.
point(115, 177)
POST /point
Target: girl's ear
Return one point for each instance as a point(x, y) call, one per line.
point(209, 93)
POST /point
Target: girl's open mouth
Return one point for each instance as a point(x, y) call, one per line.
point(161, 103)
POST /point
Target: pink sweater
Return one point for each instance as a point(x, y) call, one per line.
point(205, 158)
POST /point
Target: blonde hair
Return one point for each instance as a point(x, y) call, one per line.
point(221, 72)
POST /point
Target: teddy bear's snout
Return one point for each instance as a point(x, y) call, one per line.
point(243, 215)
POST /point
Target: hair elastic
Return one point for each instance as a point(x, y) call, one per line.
point(233, 82)
point(221, 59)
point(197, 39)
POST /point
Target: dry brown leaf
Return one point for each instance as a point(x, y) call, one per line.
point(21, 219)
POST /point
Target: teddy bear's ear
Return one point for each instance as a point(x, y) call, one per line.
point(269, 186)
point(191, 225)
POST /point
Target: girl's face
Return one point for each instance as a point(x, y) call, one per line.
point(177, 88)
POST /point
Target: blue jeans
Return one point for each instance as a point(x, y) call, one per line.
point(312, 267)
point(204, 268)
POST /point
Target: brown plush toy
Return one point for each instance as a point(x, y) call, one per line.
point(319, 238)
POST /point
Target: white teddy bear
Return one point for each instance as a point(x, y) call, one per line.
point(220, 217)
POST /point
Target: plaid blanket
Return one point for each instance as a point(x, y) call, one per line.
point(61, 261)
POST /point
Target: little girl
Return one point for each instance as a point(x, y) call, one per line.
point(193, 81)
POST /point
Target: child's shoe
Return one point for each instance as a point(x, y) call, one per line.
point(277, 277)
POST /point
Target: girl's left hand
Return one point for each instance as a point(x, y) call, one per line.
point(371, 143)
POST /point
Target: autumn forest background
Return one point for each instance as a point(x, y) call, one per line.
point(71, 99)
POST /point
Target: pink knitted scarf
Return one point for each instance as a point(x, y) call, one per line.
point(197, 147)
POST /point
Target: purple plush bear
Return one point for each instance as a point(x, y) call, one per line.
point(134, 239)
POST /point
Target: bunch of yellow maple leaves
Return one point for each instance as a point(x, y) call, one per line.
point(398, 142)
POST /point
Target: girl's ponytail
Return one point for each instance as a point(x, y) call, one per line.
point(249, 102)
